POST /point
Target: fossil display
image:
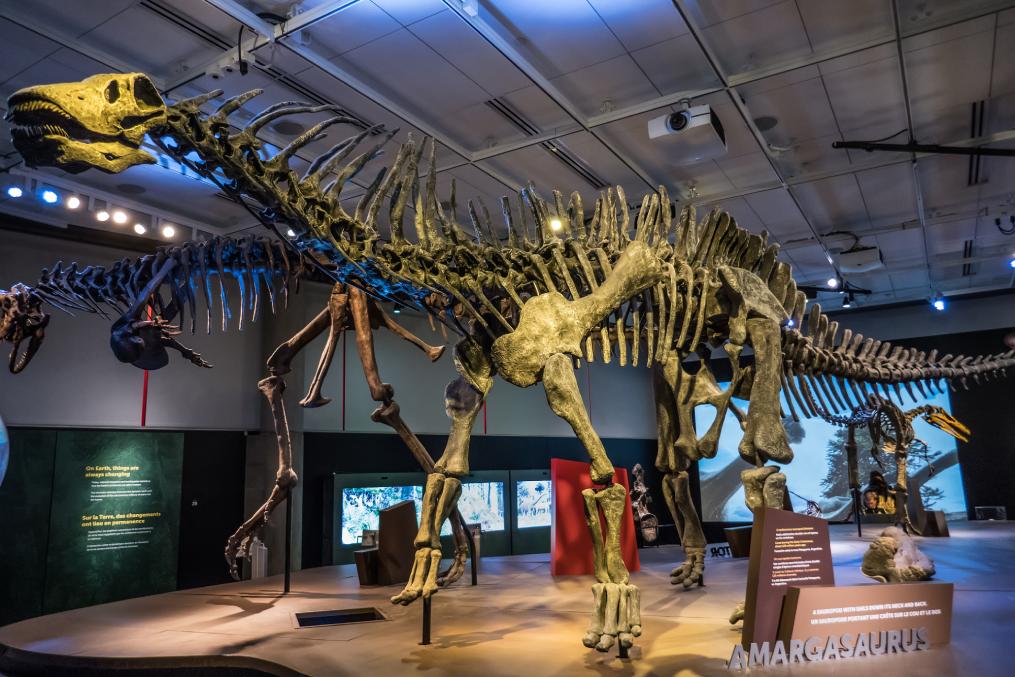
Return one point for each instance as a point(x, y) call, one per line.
point(563, 285)
point(894, 558)
point(891, 430)
point(143, 297)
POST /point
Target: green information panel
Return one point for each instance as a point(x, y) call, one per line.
point(115, 517)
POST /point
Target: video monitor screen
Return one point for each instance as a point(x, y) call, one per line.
point(533, 509)
point(361, 507)
point(480, 503)
point(817, 477)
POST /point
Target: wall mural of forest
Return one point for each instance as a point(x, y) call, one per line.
point(818, 471)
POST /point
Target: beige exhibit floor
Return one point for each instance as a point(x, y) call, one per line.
point(518, 621)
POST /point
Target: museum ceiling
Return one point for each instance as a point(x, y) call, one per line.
point(560, 94)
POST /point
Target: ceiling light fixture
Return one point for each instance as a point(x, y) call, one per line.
point(15, 191)
point(73, 202)
point(102, 215)
point(119, 217)
point(847, 300)
point(168, 231)
point(938, 302)
point(290, 233)
point(1011, 262)
point(833, 283)
point(140, 229)
point(49, 196)
point(555, 224)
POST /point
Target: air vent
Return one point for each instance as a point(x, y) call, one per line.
point(565, 156)
point(967, 253)
point(312, 619)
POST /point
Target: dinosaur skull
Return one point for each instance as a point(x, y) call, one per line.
point(21, 317)
point(942, 420)
point(98, 122)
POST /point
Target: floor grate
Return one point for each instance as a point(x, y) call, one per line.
point(309, 619)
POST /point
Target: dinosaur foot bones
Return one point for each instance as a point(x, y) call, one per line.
point(617, 613)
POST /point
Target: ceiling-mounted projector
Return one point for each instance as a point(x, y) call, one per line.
point(695, 133)
point(861, 260)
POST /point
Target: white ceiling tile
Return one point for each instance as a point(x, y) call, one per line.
point(558, 37)
point(410, 11)
point(411, 72)
point(944, 178)
point(832, 204)
point(130, 36)
point(779, 214)
point(714, 12)
point(603, 163)
point(748, 171)
point(353, 27)
point(618, 81)
point(659, 61)
point(801, 111)
point(1003, 78)
point(460, 44)
point(831, 23)
point(889, 194)
point(758, 39)
point(537, 108)
point(901, 245)
point(947, 72)
point(77, 18)
point(19, 49)
point(868, 96)
point(639, 23)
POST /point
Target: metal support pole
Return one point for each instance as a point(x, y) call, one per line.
point(288, 541)
point(426, 622)
point(472, 550)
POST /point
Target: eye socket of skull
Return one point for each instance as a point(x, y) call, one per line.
point(145, 92)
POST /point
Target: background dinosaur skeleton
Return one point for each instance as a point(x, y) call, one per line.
point(529, 309)
point(172, 283)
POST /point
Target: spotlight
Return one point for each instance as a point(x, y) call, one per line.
point(167, 231)
point(555, 224)
point(938, 302)
point(790, 322)
point(290, 233)
point(15, 191)
point(138, 228)
point(1011, 262)
point(847, 301)
point(102, 215)
point(73, 202)
point(119, 217)
point(49, 196)
point(397, 310)
point(833, 283)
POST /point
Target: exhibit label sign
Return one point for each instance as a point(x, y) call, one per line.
point(787, 549)
point(882, 608)
point(115, 517)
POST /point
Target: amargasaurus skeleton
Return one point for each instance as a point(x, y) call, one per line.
point(528, 308)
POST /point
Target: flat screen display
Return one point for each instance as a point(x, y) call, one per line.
point(817, 476)
point(480, 503)
point(533, 509)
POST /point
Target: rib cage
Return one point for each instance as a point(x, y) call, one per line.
point(198, 272)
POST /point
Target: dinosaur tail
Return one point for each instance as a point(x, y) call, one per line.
point(824, 375)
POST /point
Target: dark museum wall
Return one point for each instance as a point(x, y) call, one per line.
point(210, 507)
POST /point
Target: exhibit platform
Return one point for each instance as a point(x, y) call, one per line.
point(518, 621)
